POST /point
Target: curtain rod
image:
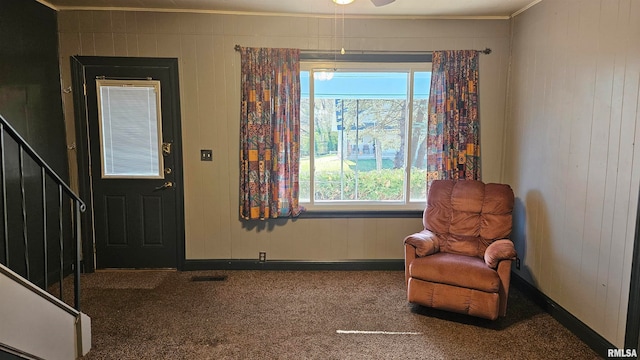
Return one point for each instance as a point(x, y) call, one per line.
point(485, 51)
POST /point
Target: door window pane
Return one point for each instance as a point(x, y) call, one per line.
point(130, 128)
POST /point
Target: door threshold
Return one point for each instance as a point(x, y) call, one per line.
point(135, 269)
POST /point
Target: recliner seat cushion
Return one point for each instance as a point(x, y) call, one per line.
point(456, 270)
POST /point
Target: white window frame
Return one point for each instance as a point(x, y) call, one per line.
point(155, 84)
point(363, 205)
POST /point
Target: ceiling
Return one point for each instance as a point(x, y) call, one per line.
point(399, 8)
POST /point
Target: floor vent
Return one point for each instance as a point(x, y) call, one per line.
point(209, 278)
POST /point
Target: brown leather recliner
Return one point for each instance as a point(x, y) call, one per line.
point(461, 261)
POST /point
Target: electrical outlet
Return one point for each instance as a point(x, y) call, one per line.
point(206, 155)
point(262, 256)
point(517, 263)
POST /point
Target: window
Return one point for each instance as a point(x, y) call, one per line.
point(130, 128)
point(361, 124)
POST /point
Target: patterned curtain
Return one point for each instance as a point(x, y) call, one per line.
point(453, 140)
point(269, 133)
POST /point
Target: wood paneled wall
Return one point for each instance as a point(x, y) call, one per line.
point(570, 153)
point(210, 93)
point(30, 101)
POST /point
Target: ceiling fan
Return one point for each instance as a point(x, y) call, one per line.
point(378, 3)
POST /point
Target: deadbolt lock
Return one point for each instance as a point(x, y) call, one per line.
point(166, 149)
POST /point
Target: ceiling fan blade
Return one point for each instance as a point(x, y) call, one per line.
point(382, 2)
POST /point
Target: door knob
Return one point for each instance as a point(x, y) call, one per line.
point(166, 185)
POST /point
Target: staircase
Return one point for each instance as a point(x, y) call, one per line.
point(40, 246)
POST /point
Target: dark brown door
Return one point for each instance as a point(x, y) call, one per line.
point(135, 165)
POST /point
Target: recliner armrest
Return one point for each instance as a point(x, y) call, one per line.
point(499, 250)
point(425, 242)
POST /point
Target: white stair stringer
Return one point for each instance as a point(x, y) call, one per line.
point(35, 324)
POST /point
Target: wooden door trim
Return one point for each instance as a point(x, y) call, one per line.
point(632, 330)
point(79, 65)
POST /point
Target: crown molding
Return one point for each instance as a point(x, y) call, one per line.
point(525, 8)
point(49, 5)
point(302, 15)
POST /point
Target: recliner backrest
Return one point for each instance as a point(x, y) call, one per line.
point(468, 215)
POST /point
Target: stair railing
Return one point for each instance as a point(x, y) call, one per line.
point(46, 172)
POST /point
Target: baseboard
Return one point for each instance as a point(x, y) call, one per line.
point(348, 265)
point(580, 329)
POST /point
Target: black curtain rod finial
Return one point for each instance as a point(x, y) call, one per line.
point(237, 48)
point(486, 51)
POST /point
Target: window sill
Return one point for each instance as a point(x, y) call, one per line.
point(326, 214)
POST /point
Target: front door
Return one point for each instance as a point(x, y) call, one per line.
point(135, 167)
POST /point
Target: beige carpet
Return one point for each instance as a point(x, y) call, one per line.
point(124, 279)
point(297, 315)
